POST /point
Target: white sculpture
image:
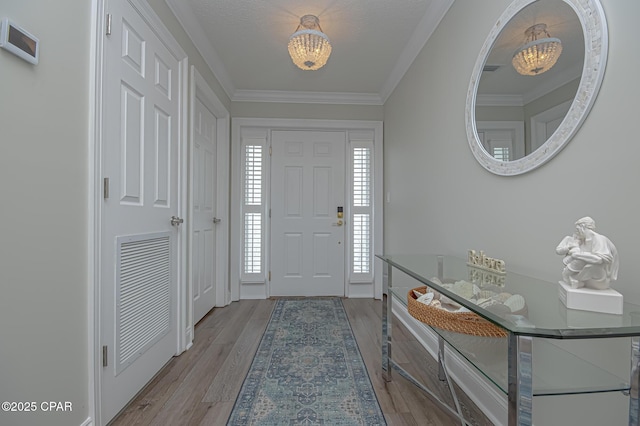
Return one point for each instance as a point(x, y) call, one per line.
point(590, 259)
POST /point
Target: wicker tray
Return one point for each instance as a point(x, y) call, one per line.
point(458, 322)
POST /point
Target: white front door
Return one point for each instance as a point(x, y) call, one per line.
point(139, 244)
point(503, 140)
point(203, 238)
point(307, 236)
point(500, 144)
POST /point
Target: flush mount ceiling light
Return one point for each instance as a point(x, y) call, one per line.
point(309, 47)
point(539, 53)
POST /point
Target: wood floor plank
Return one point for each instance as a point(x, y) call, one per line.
point(179, 408)
point(227, 382)
point(156, 394)
point(200, 386)
point(217, 413)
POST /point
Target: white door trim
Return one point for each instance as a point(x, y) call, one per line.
point(540, 120)
point(95, 190)
point(264, 125)
point(94, 185)
point(517, 129)
point(199, 89)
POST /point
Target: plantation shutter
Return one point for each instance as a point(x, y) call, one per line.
point(253, 210)
point(361, 255)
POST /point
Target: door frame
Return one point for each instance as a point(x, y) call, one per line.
point(540, 120)
point(515, 127)
point(258, 288)
point(200, 89)
point(95, 191)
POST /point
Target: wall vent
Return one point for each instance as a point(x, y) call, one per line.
point(490, 68)
point(143, 296)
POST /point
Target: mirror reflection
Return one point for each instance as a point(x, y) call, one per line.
point(515, 114)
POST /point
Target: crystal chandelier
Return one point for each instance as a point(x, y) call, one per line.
point(539, 53)
point(309, 47)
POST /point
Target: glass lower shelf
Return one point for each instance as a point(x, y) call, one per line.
point(555, 370)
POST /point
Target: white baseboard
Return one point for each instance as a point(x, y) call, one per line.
point(490, 400)
point(253, 290)
point(360, 290)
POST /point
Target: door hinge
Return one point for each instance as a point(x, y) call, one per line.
point(269, 151)
point(105, 188)
point(269, 275)
point(105, 359)
point(269, 213)
point(108, 32)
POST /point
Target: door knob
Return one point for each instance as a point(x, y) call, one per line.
point(338, 223)
point(216, 220)
point(175, 220)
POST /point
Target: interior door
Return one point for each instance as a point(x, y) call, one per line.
point(307, 236)
point(203, 238)
point(139, 243)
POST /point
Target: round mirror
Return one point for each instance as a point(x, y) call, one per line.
point(534, 82)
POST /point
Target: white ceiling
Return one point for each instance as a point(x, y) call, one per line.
point(563, 23)
point(245, 43)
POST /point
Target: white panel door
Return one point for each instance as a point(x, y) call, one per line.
point(139, 245)
point(203, 238)
point(307, 238)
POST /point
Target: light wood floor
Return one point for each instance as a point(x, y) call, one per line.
point(200, 386)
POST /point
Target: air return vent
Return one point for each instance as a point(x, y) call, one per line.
point(490, 68)
point(143, 296)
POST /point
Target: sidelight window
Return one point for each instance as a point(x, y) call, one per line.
point(361, 211)
point(253, 211)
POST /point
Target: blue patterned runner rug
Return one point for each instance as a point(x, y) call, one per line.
point(307, 371)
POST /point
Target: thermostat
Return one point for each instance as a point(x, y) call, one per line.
point(19, 41)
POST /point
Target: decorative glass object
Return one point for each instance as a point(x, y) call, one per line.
point(309, 47)
point(539, 53)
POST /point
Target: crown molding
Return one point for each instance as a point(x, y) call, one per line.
point(424, 30)
point(299, 97)
point(518, 100)
point(190, 25)
point(553, 83)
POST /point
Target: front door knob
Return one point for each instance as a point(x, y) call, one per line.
point(175, 220)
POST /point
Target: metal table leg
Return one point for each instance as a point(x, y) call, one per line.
point(634, 406)
point(386, 325)
point(520, 380)
point(444, 376)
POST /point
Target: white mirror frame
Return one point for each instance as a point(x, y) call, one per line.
point(594, 26)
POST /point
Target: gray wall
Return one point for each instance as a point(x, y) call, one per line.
point(43, 226)
point(443, 201)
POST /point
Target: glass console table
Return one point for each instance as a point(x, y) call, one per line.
point(508, 362)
